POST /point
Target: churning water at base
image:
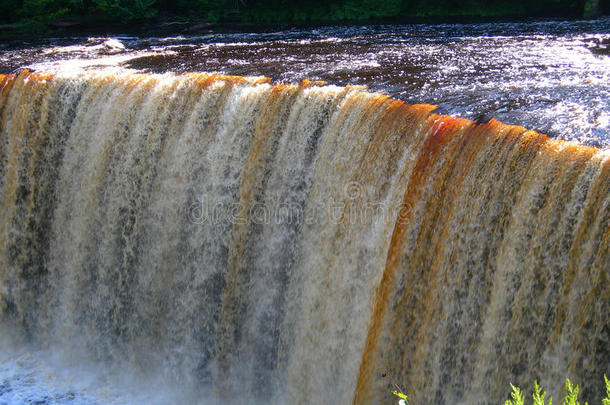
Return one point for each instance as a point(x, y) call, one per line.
point(233, 240)
point(42, 377)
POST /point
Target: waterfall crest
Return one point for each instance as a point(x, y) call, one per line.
point(299, 243)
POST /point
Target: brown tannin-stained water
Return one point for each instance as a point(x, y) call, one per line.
point(173, 237)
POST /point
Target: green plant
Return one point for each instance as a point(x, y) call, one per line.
point(516, 395)
point(518, 398)
point(571, 395)
point(606, 401)
point(539, 395)
point(401, 395)
point(127, 10)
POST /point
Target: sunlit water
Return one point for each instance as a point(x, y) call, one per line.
point(550, 76)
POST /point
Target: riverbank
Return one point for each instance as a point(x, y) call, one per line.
point(171, 27)
point(154, 17)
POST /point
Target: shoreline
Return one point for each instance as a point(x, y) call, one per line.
point(173, 25)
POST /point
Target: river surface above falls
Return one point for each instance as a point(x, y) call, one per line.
point(551, 76)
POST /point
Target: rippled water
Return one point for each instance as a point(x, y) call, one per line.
point(550, 76)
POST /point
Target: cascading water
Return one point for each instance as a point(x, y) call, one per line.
point(314, 244)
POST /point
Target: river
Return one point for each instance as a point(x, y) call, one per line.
point(551, 76)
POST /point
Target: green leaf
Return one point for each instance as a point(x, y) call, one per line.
point(516, 395)
point(606, 401)
point(400, 395)
point(571, 397)
point(539, 395)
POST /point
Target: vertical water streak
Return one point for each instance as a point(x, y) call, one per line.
point(250, 242)
point(450, 344)
point(26, 181)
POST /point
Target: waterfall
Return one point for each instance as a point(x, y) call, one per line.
point(273, 243)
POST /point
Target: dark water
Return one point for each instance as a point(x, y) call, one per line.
point(550, 76)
